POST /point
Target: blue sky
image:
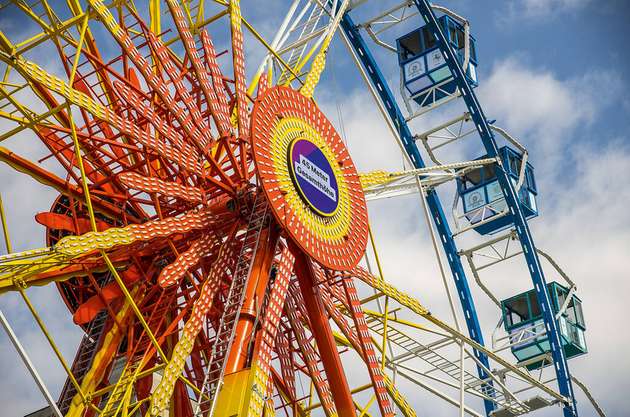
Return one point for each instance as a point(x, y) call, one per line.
point(557, 75)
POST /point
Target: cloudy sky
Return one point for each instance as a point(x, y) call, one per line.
point(555, 74)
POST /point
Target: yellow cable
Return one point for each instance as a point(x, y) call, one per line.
point(367, 406)
point(5, 229)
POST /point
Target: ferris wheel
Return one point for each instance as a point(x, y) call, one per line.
point(211, 233)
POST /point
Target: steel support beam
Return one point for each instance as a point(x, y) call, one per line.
point(323, 336)
point(520, 223)
point(386, 96)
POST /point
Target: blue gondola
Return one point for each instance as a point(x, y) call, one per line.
point(482, 196)
point(426, 75)
point(523, 321)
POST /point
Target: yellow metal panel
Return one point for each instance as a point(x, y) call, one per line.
point(234, 394)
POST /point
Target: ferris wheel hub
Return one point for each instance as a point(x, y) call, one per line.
point(309, 178)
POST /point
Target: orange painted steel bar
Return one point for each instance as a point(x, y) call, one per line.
point(48, 178)
point(297, 318)
point(254, 295)
point(324, 337)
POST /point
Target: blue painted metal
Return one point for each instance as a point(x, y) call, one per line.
point(446, 237)
point(522, 229)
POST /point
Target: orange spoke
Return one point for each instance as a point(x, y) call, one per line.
point(220, 117)
point(221, 105)
point(155, 185)
point(203, 247)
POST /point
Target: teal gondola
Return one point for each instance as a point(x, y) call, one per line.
point(523, 321)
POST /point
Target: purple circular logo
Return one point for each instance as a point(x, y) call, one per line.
point(314, 177)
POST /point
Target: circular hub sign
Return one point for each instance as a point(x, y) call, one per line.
point(309, 179)
point(313, 177)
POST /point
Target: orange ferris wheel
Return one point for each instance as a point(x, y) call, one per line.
point(209, 231)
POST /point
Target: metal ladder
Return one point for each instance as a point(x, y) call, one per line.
point(83, 359)
point(215, 370)
point(115, 401)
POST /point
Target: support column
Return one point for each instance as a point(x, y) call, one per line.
point(255, 292)
point(324, 337)
point(376, 80)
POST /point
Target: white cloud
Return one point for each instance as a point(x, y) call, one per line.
point(544, 7)
point(537, 9)
point(546, 113)
point(588, 232)
point(536, 102)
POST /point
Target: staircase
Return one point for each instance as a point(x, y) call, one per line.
point(309, 31)
point(215, 370)
point(121, 395)
point(439, 363)
point(83, 360)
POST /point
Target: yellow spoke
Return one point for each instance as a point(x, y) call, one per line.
point(317, 67)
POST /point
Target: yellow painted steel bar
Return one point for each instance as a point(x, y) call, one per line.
point(381, 177)
point(5, 228)
point(12, 117)
point(32, 42)
point(211, 19)
point(253, 31)
point(384, 341)
point(270, 49)
point(414, 305)
point(33, 311)
point(29, 11)
point(365, 409)
point(8, 59)
point(135, 408)
point(199, 17)
point(23, 271)
point(386, 314)
point(54, 32)
point(298, 67)
point(353, 391)
point(95, 374)
point(155, 15)
point(185, 6)
point(202, 24)
point(133, 305)
point(108, 262)
point(140, 318)
point(393, 392)
point(319, 62)
point(77, 153)
point(77, 54)
point(77, 10)
point(32, 122)
point(142, 374)
point(395, 320)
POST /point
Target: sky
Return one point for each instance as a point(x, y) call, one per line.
point(555, 74)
